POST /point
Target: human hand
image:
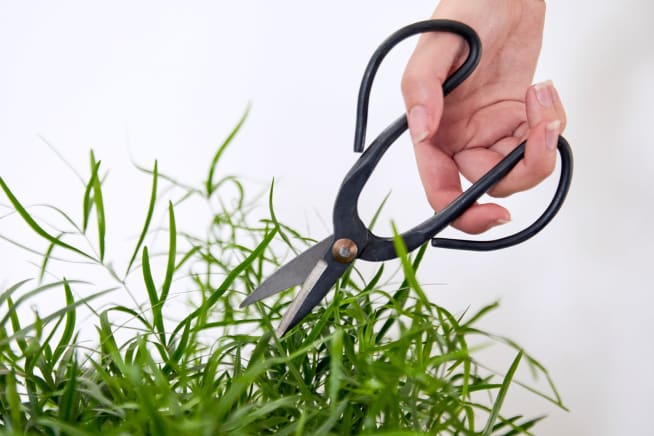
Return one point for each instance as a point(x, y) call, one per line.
point(489, 114)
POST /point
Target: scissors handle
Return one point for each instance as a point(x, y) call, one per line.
point(565, 178)
point(454, 80)
point(346, 219)
point(348, 224)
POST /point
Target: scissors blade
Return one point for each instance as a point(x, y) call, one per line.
point(319, 281)
point(292, 274)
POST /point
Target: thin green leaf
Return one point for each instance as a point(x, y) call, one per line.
point(229, 280)
point(30, 294)
point(33, 224)
point(482, 312)
point(407, 267)
point(501, 395)
point(134, 314)
point(172, 249)
point(20, 334)
point(46, 258)
point(15, 325)
point(216, 158)
point(10, 290)
point(109, 345)
point(155, 305)
point(336, 369)
point(187, 256)
point(245, 416)
point(15, 425)
point(69, 327)
point(59, 427)
point(273, 217)
point(68, 400)
point(148, 217)
point(334, 417)
point(99, 206)
point(524, 426)
point(182, 346)
point(378, 212)
point(87, 199)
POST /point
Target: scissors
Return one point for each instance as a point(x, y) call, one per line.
point(318, 268)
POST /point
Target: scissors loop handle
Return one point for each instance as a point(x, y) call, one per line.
point(565, 177)
point(454, 80)
point(348, 224)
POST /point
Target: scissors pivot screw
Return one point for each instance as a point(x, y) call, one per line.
point(344, 250)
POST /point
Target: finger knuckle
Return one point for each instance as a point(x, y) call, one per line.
point(409, 81)
point(500, 192)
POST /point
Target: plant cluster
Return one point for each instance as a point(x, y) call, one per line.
point(377, 358)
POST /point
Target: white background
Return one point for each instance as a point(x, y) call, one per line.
point(168, 80)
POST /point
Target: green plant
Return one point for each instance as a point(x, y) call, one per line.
point(377, 358)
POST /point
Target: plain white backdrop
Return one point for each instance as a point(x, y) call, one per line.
point(168, 80)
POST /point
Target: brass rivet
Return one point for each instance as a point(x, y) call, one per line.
point(344, 250)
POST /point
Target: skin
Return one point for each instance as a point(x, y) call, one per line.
point(490, 113)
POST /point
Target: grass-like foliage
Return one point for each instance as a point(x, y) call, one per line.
point(378, 358)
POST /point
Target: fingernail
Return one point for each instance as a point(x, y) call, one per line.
point(552, 131)
point(544, 93)
point(499, 222)
point(418, 124)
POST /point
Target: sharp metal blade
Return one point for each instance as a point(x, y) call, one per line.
point(318, 283)
point(292, 274)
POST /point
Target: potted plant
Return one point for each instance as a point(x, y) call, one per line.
point(164, 349)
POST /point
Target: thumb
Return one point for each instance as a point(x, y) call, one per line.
point(431, 62)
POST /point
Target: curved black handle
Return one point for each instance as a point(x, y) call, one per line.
point(347, 223)
point(382, 248)
point(565, 178)
point(454, 80)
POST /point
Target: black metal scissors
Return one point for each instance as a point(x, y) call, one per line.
point(319, 267)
